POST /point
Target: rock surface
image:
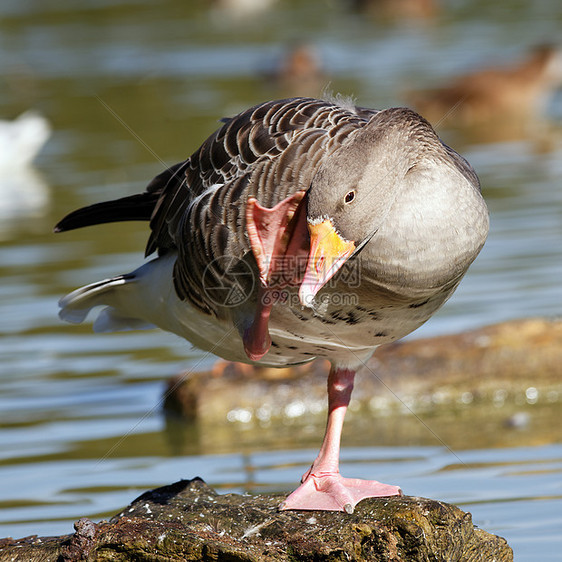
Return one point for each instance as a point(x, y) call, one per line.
point(188, 521)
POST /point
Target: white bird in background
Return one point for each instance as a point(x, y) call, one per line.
point(22, 191)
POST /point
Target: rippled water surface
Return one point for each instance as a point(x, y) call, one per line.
point(132, 86)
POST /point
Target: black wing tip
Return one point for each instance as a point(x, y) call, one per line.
point(74, 220)
point(131, 208)
point(137, 207)
point(66, 223)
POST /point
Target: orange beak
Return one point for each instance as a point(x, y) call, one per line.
point(328, 252)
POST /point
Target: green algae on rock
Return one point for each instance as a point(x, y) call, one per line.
point(188, 521)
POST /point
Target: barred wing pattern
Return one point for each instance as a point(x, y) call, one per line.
point(243, 192)
point(268, 152)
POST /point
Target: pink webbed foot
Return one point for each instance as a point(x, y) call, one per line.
point(333, 492)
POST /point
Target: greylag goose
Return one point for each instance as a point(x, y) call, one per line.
point(301, 228)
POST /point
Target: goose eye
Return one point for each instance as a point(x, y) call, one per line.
point(349, 197)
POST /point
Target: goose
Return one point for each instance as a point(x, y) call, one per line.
point(301, 228)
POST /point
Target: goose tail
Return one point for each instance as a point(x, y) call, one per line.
point(75, 306)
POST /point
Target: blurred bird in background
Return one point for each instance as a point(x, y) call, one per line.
point(516, 93)
point(22, 191)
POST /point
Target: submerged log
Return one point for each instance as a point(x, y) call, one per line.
point(499, 385)
point(508, 357)
point(188, 521)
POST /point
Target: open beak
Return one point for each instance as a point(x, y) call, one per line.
point(328, 252)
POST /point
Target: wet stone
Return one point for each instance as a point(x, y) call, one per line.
point(189, 521)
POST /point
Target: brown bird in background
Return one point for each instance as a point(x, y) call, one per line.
point(299, 72)
point(397, 9)
point(517, 92)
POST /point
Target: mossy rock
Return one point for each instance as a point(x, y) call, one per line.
point(188, 521)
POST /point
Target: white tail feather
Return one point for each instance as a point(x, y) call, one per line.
point(111, 320)
point(76, 306)
point(132, 301)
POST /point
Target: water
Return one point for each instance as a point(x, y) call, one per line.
point(129, 87)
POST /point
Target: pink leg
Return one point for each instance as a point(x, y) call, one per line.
point(322, 485)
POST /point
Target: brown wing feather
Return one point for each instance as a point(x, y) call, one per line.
point(275, 149)
point(197, 206)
